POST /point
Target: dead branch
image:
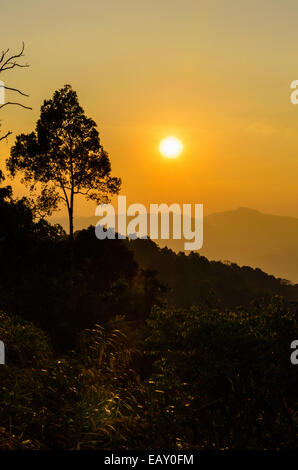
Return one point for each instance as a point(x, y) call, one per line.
point(14, 89)
point(15, 103)
point(5, 136)
point(7, 63)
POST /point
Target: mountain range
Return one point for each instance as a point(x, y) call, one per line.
point(243, 236)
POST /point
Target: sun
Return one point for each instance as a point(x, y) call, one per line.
point(171, 147)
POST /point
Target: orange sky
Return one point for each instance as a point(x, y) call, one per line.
point(215, 74)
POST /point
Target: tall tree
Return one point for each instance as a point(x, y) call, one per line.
point(64, 156)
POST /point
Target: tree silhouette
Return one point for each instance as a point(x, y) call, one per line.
point(64, 155)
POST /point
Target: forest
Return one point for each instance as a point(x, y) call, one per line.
point(121, 344)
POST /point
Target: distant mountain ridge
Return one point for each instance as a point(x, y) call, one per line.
point(252, 238)
point(243, 236)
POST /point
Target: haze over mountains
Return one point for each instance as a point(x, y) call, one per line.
point(243, 236)
point(252, 238)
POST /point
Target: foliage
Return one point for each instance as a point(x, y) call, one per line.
point(68, 402)
point(226, 378)
point(194, 280)
point(220, 380)
point(34, 279)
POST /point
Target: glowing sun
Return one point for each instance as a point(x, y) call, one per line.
point(171, 147)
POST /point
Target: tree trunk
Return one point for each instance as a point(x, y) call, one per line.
point(71, 255)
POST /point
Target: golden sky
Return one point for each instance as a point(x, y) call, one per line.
point(214, 73)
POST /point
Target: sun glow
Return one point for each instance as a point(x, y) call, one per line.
point(171, 147)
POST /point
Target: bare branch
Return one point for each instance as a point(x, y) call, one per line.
point(17, 104)
point(14, 89)
point(3, 54)
point(5, 136)
point(10, 62)
point(13, 65)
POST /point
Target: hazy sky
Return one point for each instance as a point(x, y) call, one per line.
point(215, 73)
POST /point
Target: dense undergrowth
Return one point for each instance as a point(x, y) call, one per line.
point(188, 379)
